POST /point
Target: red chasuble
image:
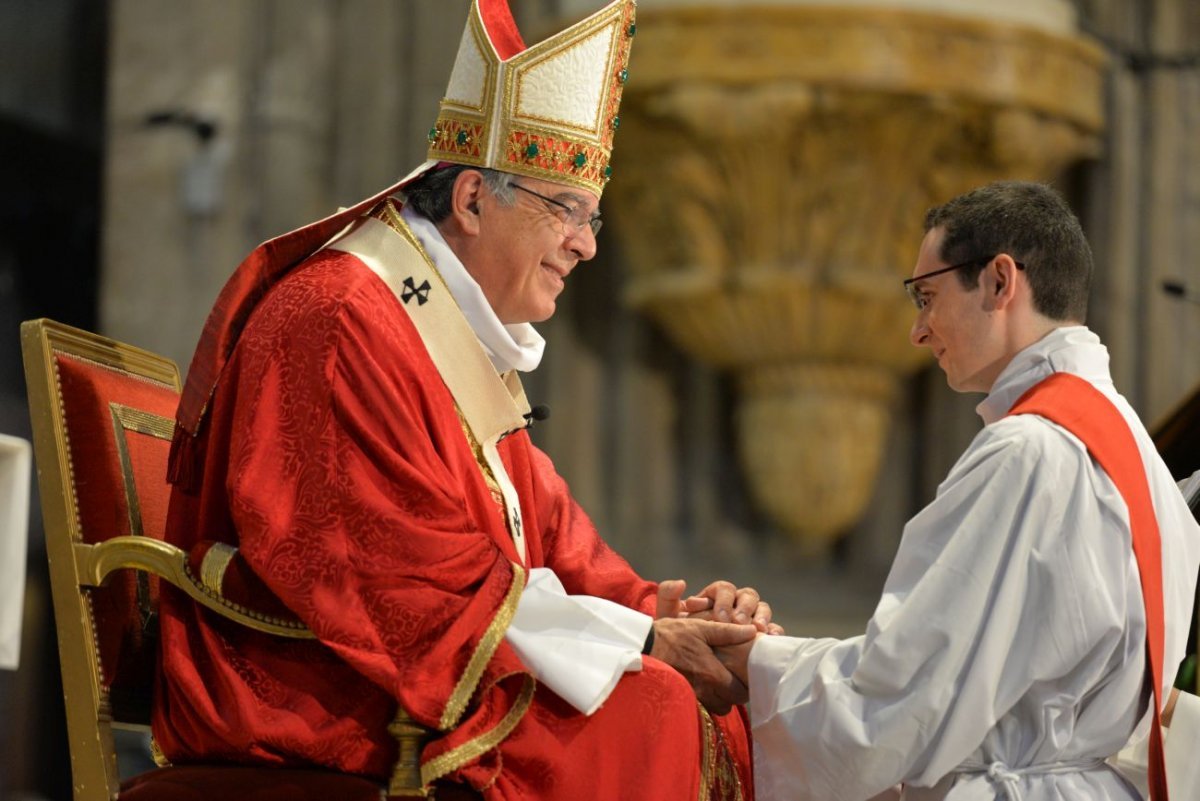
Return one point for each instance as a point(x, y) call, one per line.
point(333, 457)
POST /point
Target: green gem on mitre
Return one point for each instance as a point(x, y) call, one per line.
point(632, 30)
point(616, 123)
point(433, 134)
point(532, 151)
point(462, 138)
point(580, 160)
point(608, 172)
point(623, 76)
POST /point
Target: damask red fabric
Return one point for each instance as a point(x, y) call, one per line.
point(335, 460)
point(265, 266)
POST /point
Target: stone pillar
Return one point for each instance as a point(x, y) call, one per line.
point(313, 104)
point(774, 165)
point(1143, 212)
point(244, 156)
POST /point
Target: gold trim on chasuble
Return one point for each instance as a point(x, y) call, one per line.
point(719, 780)
point(489, 478)
point(488, 406)
point(468, 684)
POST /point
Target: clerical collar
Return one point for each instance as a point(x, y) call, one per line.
point(1067, 349)
point(510, 347)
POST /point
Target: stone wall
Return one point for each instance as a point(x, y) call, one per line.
point(317, 103)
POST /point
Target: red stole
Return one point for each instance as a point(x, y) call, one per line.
point(1083, 410)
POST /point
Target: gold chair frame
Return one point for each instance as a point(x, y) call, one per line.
point(76, 566)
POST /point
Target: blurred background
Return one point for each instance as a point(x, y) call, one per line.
point(730, 380)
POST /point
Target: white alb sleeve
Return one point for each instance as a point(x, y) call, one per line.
point(577, 645)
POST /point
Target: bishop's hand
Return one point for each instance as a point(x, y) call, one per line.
point(687, 645)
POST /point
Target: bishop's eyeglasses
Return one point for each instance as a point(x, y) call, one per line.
point(574, 216)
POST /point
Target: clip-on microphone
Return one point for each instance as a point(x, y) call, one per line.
point(538, 413)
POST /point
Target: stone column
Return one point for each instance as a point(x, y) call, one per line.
point(775, 162)
point(1143, 212)
point(312, 104)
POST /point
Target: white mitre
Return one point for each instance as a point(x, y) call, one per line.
point(548, 111)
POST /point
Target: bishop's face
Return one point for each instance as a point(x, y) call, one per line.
point(528, 248)
point(953, 321)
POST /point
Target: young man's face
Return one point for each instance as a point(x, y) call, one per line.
point(954, 323)
point(528, 249)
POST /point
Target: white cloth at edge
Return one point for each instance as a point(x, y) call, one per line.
point(1190, 485)
point(15, 464)
point(510, 347)
point(1010, 630)
point(1179, 746)
point(577, 645)
point(1183, 769)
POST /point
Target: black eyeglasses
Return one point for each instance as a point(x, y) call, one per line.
point(572, 215)
point(914, 294)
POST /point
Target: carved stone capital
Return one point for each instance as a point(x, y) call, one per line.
point(889, 50)
point(811, 441)
point(773, 170)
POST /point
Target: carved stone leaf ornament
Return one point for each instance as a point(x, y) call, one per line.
point(776, 162)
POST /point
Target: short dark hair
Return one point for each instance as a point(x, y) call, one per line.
point(1030, 222)
point(430, 194)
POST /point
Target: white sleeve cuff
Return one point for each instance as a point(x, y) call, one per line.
point(577, 645)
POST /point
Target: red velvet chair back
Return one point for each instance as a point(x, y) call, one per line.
point(102, 415)
point(118, 426)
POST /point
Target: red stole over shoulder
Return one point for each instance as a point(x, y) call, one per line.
point(1080, 408)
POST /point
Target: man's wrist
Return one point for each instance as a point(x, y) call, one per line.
point(649, 644)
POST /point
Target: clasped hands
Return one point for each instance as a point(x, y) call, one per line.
point(707, 638)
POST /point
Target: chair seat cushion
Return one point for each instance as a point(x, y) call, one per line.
point(242, 783)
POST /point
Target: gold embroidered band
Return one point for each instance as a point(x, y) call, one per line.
point(483, 652)
point(215, 563)
point(471, 750)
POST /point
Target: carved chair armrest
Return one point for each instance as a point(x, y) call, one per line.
point(170, 563)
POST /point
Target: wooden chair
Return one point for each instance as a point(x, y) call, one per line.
point(103, 415)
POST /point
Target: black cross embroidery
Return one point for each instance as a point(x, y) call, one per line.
point(516, 523)
point(411, 289)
